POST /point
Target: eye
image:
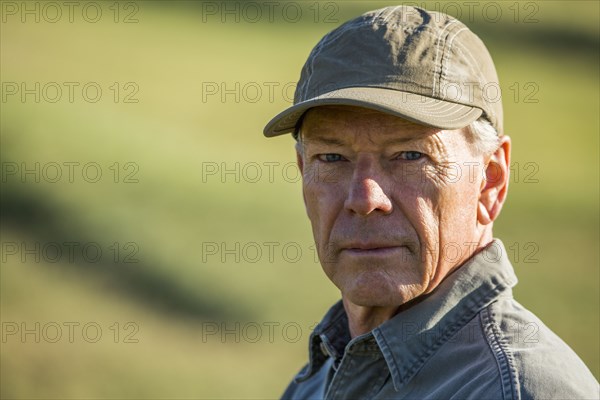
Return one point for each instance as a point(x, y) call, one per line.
point(410, 155)
point(330, 157)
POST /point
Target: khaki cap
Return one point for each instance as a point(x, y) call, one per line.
point(423, 66)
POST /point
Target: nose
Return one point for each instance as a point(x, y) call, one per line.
point(366, 195)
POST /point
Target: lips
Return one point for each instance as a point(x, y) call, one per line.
point(371, 249)
point(367, 246)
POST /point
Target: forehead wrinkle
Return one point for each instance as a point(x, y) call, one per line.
point(332, 141)
point(362, 125)
point(349, 114)
point(439, 146)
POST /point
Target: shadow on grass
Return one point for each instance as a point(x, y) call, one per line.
point(34, 215)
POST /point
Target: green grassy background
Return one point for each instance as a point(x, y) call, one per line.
point(176, 292)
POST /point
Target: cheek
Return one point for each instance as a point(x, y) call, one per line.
point(324, 201)
point(460, 203)
point(427, 226)
point(431, 201)
point(419, 196)
point(453, 221)
point(418, 200)
point(442, 195)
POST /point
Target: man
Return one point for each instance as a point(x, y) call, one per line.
point(405, 167)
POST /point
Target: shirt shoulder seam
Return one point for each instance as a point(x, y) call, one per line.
point(502, 354)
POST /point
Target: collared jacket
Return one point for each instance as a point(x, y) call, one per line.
point(468, 339)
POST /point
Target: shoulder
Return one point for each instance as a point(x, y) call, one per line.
point(531, 359)
point(312, 387)
point(506, 352)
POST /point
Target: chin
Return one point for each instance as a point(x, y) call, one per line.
point(377, 291)
point(371, 302)
point(377, 296)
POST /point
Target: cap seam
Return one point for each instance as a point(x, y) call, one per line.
point(437, 56)
point(446, 55)
point(327, 39)
point(447, 58)
point(480, 75)
point(389, 14)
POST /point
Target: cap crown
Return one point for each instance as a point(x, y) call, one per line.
point(406, 49)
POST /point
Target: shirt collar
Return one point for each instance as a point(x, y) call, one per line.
point(328, 339)
point(409, 339)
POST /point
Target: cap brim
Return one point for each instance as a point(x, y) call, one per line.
point(413, 107)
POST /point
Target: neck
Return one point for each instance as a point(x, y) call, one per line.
point(364, 319)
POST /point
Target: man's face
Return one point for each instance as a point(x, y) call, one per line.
point(391, 212)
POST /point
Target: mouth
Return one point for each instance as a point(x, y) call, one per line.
point(372, 250)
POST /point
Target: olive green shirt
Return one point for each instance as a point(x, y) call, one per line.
point(468, 339)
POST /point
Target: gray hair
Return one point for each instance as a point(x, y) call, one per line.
point(480, 133)
point(483, 136)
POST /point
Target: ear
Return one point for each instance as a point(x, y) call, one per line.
point(495, 185)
